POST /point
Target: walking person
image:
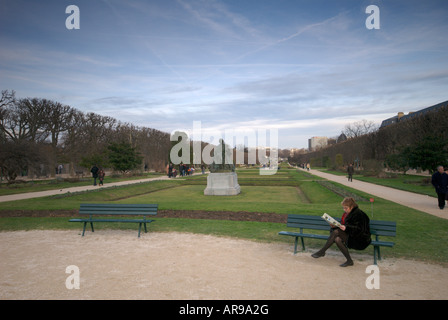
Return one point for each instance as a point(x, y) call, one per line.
point(181, 170)
point(440, 182)
point(101, 175)
point(354, 233)
point(94, 171)
point(446, 197)
point(170, 170)
point(350, 171)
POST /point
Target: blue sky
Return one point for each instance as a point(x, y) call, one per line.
point(306, 68)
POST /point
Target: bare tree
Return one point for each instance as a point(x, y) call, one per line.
point(23, 120)
point(359, 128)
point(56, 122)
point(61, 133)
point(71, 145)
point(6, 102)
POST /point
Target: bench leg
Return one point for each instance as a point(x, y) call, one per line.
point(296, 241)
point(295, 245)
point(375, 254)
point(84, 229)
point(140, 228)
point(146, 230)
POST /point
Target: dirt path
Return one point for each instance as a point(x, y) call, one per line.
point(115, 264)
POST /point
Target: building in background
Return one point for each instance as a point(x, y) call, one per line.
point(402, 117)
point(317, 142)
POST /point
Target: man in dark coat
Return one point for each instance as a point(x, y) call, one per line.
point(354, 232)
point(94, 171)
point(350, 171)
point(440, 182)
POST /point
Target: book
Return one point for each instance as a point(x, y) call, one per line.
point(330, 220)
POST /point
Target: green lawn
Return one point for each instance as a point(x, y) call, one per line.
point(191, 197)
point(419, 235)
point(61, 183)
point(407, 182)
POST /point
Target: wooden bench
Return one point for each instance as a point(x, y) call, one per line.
point(79, 173)
point(116, 210)
point(377, 228)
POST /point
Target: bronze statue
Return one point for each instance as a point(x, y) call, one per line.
point(223, 161)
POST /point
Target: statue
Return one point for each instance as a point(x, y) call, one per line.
point(222, 180)
point(223, 159)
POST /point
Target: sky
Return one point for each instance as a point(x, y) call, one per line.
point(301, 67)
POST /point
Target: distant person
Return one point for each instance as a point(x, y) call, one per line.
point(170, 170)
point(101, 175)
point(446, 172)
point(308, 166)
point(350, 172)
point(440, 182)
point(354, 232)
point(94, 171)
point(181, 170)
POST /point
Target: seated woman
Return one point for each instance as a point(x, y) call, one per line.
point(354, 233)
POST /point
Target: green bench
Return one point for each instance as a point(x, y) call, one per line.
point(119, 213)
point(377, 228)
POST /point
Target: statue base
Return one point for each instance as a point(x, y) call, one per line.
point(222, 184)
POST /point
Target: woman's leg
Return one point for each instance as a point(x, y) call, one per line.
point(340, 238)
point(334, 233)
point(341, 243)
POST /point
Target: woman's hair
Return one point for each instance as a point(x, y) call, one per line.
point(349, 202)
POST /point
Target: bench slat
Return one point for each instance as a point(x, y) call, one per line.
point(306, 235)
point(383, 233)
point(309, 226)
point(307, 222)
point(382, 243)
point(115, 213)
point(118, 209)
point(117, 205)
point(111, 220)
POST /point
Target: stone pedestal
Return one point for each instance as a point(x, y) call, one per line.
point(222, 184)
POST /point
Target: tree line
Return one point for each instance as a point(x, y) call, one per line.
point(37, 135)
point(417, 143)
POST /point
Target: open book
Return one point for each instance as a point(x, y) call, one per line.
point(331, 220)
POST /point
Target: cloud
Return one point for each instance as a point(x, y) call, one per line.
point(215, 16)
point(302, 67)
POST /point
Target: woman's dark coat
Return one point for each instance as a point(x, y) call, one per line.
point(357, 225)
